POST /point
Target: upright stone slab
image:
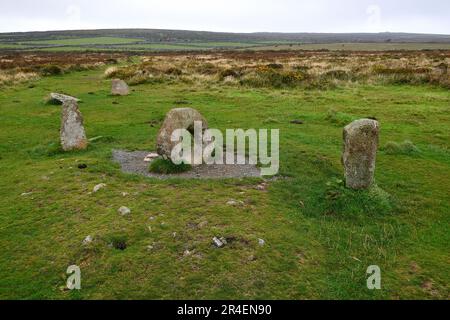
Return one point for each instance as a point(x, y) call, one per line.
point(73, 136)
point(360, 151)
point(181, 118)
point(119, 88)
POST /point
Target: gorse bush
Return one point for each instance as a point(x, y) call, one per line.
point(51, 70)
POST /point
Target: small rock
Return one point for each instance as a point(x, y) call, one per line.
point(124, 194)
point(202, 224)
point(261, 242)
point(187, 253)
point(262, 186)
point(25, 194)
point(119, 88)
point(87, 240)
point(150, 248)
point(99, 186)
point(82, 166)
point(150, 157)
point(218, 243)
point(234, 203)
point(124, 211)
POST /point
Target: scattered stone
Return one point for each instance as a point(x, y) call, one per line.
point(119, 88)
point(82, 166)
point(124, 211)
point(202, 224)
point(72, 134)
point(88, 240)
point(360, 150)
point(150, 248)
point(124, 194)
point(151, 156)
point(187, 253)
point(297, 122)
point(25, 194)
point(262, 187)
point(99, 186)
point(235, 203)
point(181, 118)
point(218, 243)
point(62, 98)
point(261, 242)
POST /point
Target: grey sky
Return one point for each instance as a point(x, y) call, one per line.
point(431, 16)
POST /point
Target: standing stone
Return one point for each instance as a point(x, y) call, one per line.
point(360, 151)
point(119, 88)
point(181, 118)
point(73, 136)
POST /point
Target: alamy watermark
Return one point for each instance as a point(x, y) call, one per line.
point(208, 147)
point(74, 280)
point(374, 280)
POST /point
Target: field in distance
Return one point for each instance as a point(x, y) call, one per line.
point(176, 40)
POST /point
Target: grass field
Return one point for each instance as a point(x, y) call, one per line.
point(69, 42)
point(357, 46)
point(83, 41)
point(315, 247)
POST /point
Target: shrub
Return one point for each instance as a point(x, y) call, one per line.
point(163, 166)
point(404, 148)
point(337, 74)
point(51, 70)
point(266, 77)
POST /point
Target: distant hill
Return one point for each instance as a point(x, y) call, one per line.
point(182, 36)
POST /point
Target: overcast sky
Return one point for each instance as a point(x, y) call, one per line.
point(430, 16)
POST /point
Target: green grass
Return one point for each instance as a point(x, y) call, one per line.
point(167, 167)
point(355, 46)
point(83, 41)
point(318, 244)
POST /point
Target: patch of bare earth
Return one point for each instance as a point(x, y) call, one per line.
point(133, 162)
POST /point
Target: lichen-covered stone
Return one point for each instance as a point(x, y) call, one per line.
point(181, 118)
point(119, 88)
point(73, 136)
point(360, 151)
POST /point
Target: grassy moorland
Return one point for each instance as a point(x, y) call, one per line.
point(320, 238)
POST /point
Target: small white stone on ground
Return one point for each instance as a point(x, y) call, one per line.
point(187, 253)
point(26, 194)
point(124, 211)
point(261, 242)
point(218, 243)
point(99, 186)
point(87, 240)
point(150, 157)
